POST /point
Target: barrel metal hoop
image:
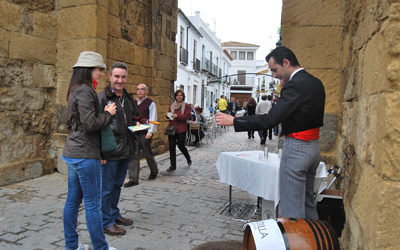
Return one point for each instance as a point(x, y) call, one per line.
point(324, 238)
point(328, 235)
point(284, 235)
point(310, 224)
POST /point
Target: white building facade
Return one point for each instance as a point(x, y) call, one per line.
point(201, 62)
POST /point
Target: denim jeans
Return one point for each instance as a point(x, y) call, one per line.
point(84, 181)
point(114, 173)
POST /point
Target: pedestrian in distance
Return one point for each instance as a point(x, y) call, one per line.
point(300, 110)
point(179, 111)
point(251, 110)
point(82, 152)
point(263, 107)
point(147, 115)
point(117, 161)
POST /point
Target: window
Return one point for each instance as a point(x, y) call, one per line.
point(233, 54)
point(194, 50)
point(242, 76)
point(250, 56)
point(182, 37)
point(242, 55)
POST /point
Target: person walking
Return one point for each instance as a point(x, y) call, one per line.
point(263, 107)
point(251, 110)
point(117, 161)
point(82, 151)
point(222, 105)
point(147, 112)
point(180, 114)
point(300, 110)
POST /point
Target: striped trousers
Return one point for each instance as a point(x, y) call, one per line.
point(299, 162)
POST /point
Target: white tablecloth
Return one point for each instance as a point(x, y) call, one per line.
point(246, 171)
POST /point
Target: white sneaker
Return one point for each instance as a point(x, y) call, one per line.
point(111, 248)
point(82, 247)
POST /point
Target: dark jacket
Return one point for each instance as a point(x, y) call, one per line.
point(180, 122)
point(84, 124)
point(122, 119)
point(251, 110)
point(300, 107)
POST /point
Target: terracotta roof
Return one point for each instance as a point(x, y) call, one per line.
point(238, 44)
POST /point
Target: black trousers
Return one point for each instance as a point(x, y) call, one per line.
point(142, 144)
point(177, 139)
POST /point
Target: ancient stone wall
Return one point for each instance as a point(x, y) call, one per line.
point(353, 46)
point(39, 43)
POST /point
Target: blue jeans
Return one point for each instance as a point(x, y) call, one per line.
point(84, 181)
point(114, 173)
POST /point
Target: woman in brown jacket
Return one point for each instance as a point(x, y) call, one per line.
point(180, 114)
point(82, 151)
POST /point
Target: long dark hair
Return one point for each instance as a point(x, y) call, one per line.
point(80, 75)
point(251, 103)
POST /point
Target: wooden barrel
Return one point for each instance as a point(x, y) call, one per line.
point(300, 234)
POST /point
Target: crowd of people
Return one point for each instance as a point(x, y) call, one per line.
point(101, 149)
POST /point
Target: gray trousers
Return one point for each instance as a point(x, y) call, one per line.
point(300, 160)
point(141, 144)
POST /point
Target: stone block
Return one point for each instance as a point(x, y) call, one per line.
point(387, 234)
point(5, 37)
point(113, 7)
point(10, 16)
point(305, 41)
point(77, 22)
point(28, 47)
point(102, 25)
point(114, 26)
point(367, 25)
point(44, 25)
point(331, 78)
point(367, 193)
point(392, 38)
point(365, 129)
point(76, 3)
point(61, 165)
point(387, 139)
point(329, 133)
point(44, 75)
point(311, 12)
point(68, 51)
point(121, 50)
point(375, 56)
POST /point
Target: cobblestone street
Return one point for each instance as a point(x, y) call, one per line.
point(176, 211)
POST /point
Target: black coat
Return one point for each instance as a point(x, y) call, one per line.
point(300, 107)
point(85, 120)
point(121, 120)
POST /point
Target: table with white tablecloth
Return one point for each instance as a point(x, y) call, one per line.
point(258, 175)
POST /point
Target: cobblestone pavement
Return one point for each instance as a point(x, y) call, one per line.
point(177, 211)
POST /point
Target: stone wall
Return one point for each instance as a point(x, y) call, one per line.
point(39, 43)
point(354, 47)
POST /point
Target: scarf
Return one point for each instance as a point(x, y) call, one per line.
point(94, 84)
point(178, 105)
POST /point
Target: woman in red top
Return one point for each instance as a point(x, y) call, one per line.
point(180, 114)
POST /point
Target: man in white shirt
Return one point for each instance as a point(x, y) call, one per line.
point(263, 107)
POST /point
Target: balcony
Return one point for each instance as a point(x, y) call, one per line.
point(214, 69)
point(183, 56)
point(206, 65)
point(196, 65)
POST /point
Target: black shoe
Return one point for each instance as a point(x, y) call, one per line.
point(131, 183)
point(171, 169)
point(189, 163)
point(152, 177)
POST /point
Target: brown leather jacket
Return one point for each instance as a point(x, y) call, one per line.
point(84, 123)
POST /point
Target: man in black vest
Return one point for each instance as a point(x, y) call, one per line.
point(300, 110)
point(147, 112)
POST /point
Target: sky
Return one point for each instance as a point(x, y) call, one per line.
point(249, 21)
